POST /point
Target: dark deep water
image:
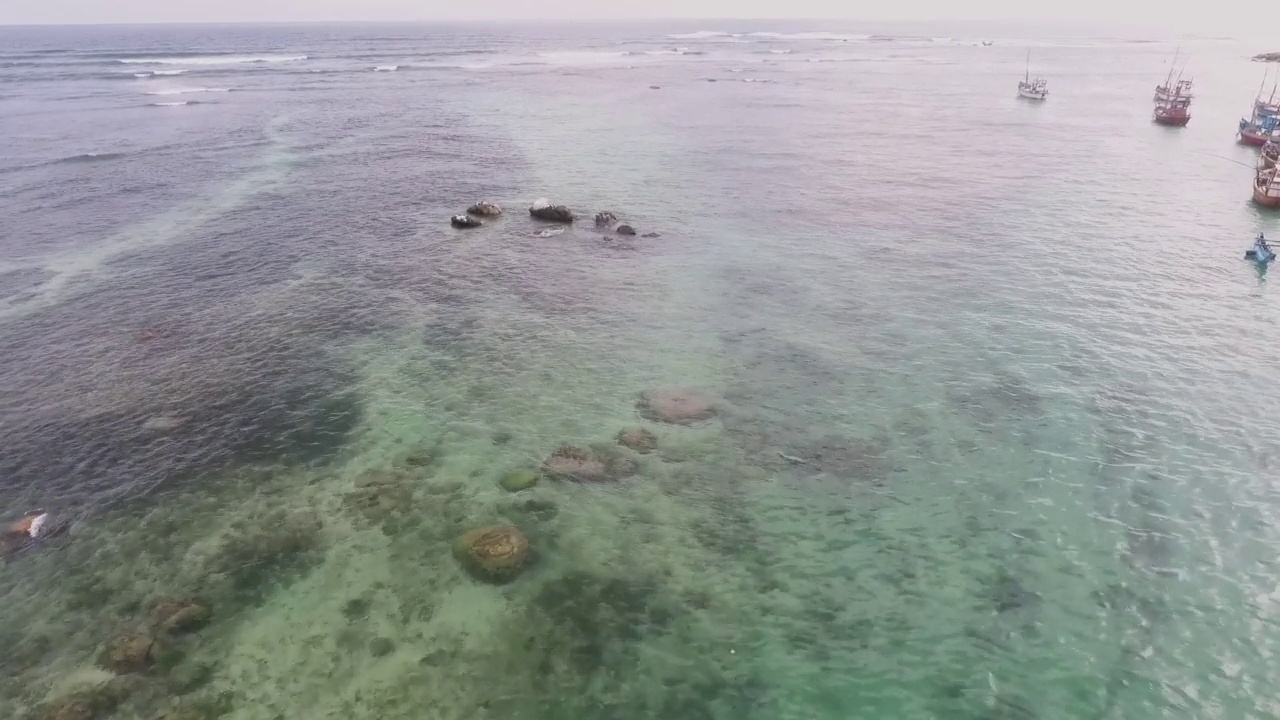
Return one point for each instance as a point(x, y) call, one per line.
point(994, 390)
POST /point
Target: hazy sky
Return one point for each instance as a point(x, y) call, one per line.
point(1220, 16)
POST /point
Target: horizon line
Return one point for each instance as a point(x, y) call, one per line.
point(568, 20)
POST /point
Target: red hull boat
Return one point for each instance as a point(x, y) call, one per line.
point(1171, 118)
point(1173, 108)
point(1253, 138)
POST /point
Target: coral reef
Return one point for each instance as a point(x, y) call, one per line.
point(638, 439)
point(518, 480)
point(381, 494)
point(178, 616)
point(587, 466)
point(128, 653)
point(676, 406)
point(494, 554)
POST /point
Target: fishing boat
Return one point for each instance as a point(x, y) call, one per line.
point(1269, 156)
point(1166, 90)
point(1031, 88)
point(1175, 109)
point(1260, 127)
point(1260, 252)
point(1266, 188)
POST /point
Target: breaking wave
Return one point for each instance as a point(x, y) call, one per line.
point(210, 60)
point(186, 91)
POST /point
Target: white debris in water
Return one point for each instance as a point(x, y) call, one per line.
point(37, 523)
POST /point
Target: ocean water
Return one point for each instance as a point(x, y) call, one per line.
point(995, 390)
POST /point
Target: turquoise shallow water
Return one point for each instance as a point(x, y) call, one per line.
point(994, 404)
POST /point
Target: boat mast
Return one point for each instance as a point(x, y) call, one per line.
point(1027, 76)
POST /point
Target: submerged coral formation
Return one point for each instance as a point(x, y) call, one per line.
point(638, 439)
point(381, 494)
point(574, 464)
point(128, 653)
point(518, 480)
point(178, 616)
point(676, 406)
point(495, 554)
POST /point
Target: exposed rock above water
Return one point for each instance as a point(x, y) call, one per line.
point(544, 210)
point(464, 221)
point(1267, 57)
point(484, 208)
point(606, 219)
point(626, 230)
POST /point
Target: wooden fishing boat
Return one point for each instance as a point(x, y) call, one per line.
point(1030, 88)
point(1167, 89)
point(1175, 109)
point(1261, 128)
point(1266, 188)
point(1269, 156)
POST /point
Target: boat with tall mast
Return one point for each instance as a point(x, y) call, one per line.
point(1261, 127)
point(1175, 109)
point(1165, 90)
point(1032, 88)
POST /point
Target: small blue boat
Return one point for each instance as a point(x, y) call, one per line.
point(1261, 252)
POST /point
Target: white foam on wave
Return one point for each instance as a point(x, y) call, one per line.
point(386, 68)
point(211, 60)
point(177, 103)
point(781, 52)
point(581, 57)
point(185, 91)
point(704, 35)
point(809, 36)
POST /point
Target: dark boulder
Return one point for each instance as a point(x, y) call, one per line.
point(651, 235)
point(485, 208)
point(626, 230)
point(464, 221)
point(544, 210)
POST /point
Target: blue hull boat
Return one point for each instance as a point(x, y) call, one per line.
point(1261, 252)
